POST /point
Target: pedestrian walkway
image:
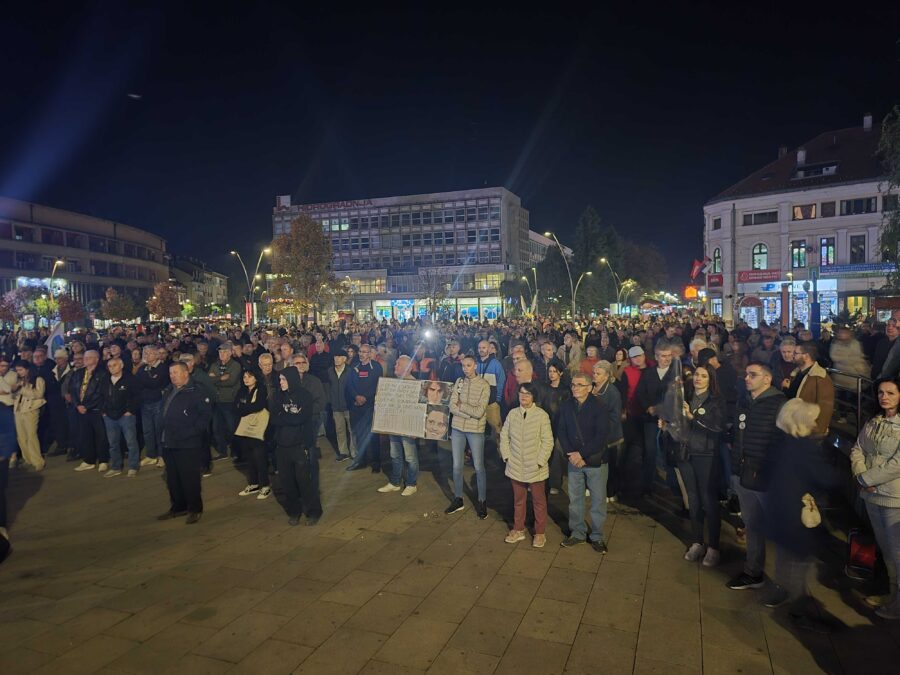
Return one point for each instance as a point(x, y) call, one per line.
point(384, 584)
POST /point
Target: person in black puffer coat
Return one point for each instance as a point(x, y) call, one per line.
point(752, 455)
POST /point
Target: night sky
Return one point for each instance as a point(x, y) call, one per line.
point(643, 113)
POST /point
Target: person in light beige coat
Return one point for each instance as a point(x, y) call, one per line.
point(526, 442)
point(27, 411)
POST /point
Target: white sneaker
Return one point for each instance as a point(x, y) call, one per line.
point(695, 552)
point(84, 466)
point(132, 473)
point(515, 536)
point(390, 487)
point(890, 611)
point(103, 467)
point(148, 461)
point(264, 493)
point(711, 559)
point(160, 463)
point(112, 473)
point(249, 490)
point(409, 490)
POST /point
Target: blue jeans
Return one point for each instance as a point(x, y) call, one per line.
point(151, 419)
point(404, 447)
point(886, 527)
point(127, 426)
point(458, 441)
point(753, 513)
point(594, 477)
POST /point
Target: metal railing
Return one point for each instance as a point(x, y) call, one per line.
point(854, 402)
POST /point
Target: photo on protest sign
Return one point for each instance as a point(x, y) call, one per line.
point(403, 408)
point(435, 393)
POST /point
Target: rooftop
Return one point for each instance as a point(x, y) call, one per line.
point(831, 158)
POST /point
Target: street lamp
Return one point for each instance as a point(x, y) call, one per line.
point(568, 271)
point(56, 264)
point(256, 274)
point(617, 282)
point(575, 294)
point(790, 312)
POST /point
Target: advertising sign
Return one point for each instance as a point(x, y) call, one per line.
point(714, 280)
point(758, 275)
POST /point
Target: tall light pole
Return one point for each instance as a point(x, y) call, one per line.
point(56, 264)
point(615, 277)
point(534, 300)
point(568, 271)
point(575, 294)
point(256, 275)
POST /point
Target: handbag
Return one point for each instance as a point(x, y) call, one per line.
point(809, 514)
point(253, 425)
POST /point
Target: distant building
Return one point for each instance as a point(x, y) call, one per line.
point(94, 253)
point(817, 210)
point(392, 249)
point(536, 249)
point(202, 286)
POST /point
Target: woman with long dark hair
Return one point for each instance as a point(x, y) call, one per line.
point(252, 410)
point(700, 466)
point(28, 406)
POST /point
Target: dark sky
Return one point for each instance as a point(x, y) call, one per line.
point(643, 113)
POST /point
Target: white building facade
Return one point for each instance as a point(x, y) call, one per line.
point(811, 218)
point(393, 250)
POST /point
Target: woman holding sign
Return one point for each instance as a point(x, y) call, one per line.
point(403, 447)
point(468, 403)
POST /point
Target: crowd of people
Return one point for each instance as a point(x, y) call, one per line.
point(716, 419)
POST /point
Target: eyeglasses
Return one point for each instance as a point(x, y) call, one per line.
point(575, 384)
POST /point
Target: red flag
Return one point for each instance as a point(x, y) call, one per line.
point(695, 268)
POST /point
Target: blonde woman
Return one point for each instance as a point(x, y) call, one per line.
point(27, 411)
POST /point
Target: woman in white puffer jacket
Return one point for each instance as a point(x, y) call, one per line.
point(526, 442)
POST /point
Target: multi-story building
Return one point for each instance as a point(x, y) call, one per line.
point(396, 251)
point(536, 249)
point(203, 287)
point(76, 253)
point(812, 216)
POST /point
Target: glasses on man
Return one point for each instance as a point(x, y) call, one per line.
point(578, 384)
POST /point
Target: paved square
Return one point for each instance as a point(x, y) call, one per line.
point(383, 584)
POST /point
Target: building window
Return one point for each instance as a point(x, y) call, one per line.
point(23, 233)
point(717, 261)
point(857, 248)
point(798, 253)
point(495, 213)
point(761, 218)
point(471, 236)
point(804, 212)
point(853, 207)
point(717, 223)
point(827, 210)
point(760, 259)
point(826, 251)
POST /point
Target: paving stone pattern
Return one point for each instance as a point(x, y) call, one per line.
point(383, 584)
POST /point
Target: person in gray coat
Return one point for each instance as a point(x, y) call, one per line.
point(337, 396)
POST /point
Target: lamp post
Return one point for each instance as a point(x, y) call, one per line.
point(790, 312)
point(575, 294)
point(617, 282)
point(256, 276)
point(56, 264)
point(568, 271)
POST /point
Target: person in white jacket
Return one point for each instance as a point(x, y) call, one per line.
point(526, 442)
point(875, 462)
point(468, 404)
point(27, 410)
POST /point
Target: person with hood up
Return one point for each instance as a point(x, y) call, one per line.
point(295, 433)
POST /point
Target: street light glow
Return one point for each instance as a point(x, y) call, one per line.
point(267, 250)
point(234, 253)
point(548, 234)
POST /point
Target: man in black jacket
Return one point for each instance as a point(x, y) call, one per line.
point(86, 388)
point(153, 378)
point(295, 433)
point(186, 415)
point(582, 430)
point(751, 460)
point(650, 393)
point(121, 403)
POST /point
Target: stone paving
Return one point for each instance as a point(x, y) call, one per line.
point(384, 584)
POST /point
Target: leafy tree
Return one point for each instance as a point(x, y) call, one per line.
point(646, 264)
point(889, 151)
point(116, 307)
point(553, 279)
point(164, 301)
point(45, 306)
point(8, 307)
point(70, 310)
point(301, 263)
point(593, 241)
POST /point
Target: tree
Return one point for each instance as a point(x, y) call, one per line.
point(70, 310)
point(593, 241)
point(646, 264)
point(889, 151)
point(117, 307)
point(8, 309)
point(164, 301)
point(553, 280)
point(435, 286)
point(45, 306)
point(301, 263)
